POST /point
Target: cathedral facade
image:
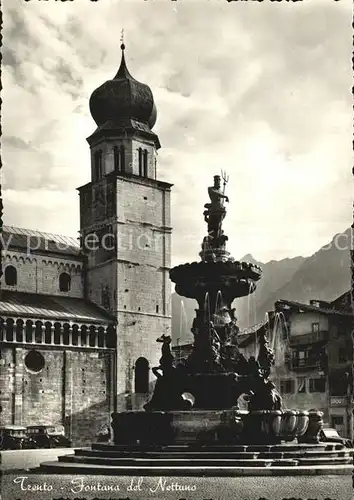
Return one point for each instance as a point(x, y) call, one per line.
point(79, 318)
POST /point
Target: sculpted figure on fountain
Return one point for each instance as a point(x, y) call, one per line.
point(215, 346)
point(266, 356)
point(263, 393)
point(167, 359)
point(214, 214)
point(206, 357)
point(215, 210)
point(232, 359)
point(170, 381)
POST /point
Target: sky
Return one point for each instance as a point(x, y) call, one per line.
point(261, 90)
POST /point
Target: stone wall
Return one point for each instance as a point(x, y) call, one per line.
point(73, 389)
point(144, 247)
point(141, 288)
point(136, 337)
point(302, 400)
point(7, 385)
point(301, 323)
point(143, 201)
point(102, 283)
point(143, 293)
point(89, 392)
point(40, 274)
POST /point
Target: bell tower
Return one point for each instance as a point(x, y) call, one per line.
point(125, 227)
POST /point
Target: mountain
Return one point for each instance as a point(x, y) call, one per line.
point(325, 275)
point(275, 275)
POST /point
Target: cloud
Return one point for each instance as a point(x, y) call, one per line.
point(261, 90)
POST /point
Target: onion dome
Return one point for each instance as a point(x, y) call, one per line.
point(123, 97)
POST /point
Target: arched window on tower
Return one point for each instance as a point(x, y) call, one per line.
point(119, 158)
point(116, 159)
point(10, 276)
point(142, 375)
point(64, 282)
point(97, 167)
point(140, 152)
point(122, 158)
point(145, 162)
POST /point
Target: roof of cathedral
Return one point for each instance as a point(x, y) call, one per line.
point(49, 307)
point(31, 241)
point(123, 97)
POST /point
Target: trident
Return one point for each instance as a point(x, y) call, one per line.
point(225, 178)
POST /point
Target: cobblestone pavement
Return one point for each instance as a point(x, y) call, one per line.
point(23, 459)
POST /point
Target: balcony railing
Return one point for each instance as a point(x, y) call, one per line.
point(308, 364)
point(308, 338)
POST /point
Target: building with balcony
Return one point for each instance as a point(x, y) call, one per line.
point(313, 356)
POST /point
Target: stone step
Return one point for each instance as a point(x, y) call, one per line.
point(324, 460)
point(157, 462)
point(224, 448)
point(213, 454)
point(167, 454)
point(194, 462)
point(211, 471)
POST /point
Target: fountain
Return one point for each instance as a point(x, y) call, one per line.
point(192, 423)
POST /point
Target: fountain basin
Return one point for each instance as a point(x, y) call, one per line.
point(315, 425)
point(265, 426)
point(235, 279)
point(212, 426)
point(205, 426)
point(194, 270)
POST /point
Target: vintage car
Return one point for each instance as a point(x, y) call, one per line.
point(330, 435)
point(48, 436)
point(14, 437)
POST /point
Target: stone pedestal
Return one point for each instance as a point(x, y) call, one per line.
point(213, 391)
point(176, 427)
point(140, 427)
